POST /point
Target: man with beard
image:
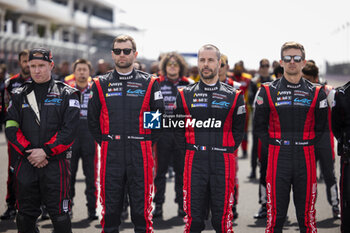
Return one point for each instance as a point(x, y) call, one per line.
point(290, 117)
point(213, 128)
point(84, 144)
point(173, 66)
point(11, 85)
point(122, 103)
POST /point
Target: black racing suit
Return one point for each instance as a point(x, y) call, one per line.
point(54, 132)
point(115, 117)
point(254, 86)
point(167, 149)
point(214, 128)
point(290, 118)
point(341, 130)
point(324, 151)
point(84, 147)
point(11, 85)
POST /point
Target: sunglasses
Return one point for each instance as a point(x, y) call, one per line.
point(222, 65)
point(266, 66)
point(119, 51)
point(289, 58)
point(172, 63)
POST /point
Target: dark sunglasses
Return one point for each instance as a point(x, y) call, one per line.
point(222, 65)
point(296, 58)
point(119, 51)
point(265, 66)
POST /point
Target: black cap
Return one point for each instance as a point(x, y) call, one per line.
point(47, 56)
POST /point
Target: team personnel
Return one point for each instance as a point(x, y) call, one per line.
point(244, 79)
point(209, 173)
point(259, 152)
point(324, 149)
point(224, 67)
point(341, 129)
point(173, 66)
point(118, 103)
point(11, 85)
point(42, 119)
point(263, 77)
point(290, 139)
point(84, 146)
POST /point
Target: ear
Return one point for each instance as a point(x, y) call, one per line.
point(281, 63)
point(52, 65)
point(136, 53)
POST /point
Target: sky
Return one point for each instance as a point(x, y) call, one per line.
point(247, 30)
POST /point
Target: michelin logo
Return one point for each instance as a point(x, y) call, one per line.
point(151, 120)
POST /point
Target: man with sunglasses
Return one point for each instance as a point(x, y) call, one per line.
point(290, 116)
point(119, 101)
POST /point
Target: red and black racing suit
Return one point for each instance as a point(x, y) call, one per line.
point(209, 172)
point(11, 85)
point(115, 118)
point(54, 132)
point(290, 118)
point(341, 130)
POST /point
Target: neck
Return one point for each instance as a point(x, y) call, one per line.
point(173, 77)
point(81, 85)
point(222, 78)
point(25, 75)
point(210, 81)
point(293, 78)
point(124, 70)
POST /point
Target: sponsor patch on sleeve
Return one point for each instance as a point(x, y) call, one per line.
point(74, 103)
point(323, 103)
point(241, 110)
point(158, 95)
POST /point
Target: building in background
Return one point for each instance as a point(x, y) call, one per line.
point(70, 28)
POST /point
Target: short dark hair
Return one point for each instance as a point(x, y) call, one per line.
point(125, 38)
point(82, 61)
point(310, 69)
point(23, 53)
point(264, 60)
point(293, 45)
point(211, 47)
point(179, 59)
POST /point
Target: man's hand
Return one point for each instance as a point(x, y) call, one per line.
point(37, 157)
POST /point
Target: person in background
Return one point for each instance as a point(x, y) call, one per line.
point(325, 147)
point(11, 85)
point(224, 67)
point(244, 79)
point(64, 71)
point(173, 66)
point(84, 146)
point(341, 129)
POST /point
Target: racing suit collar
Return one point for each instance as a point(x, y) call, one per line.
point(206, 87)
point(289, 85)
point(123, 77)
